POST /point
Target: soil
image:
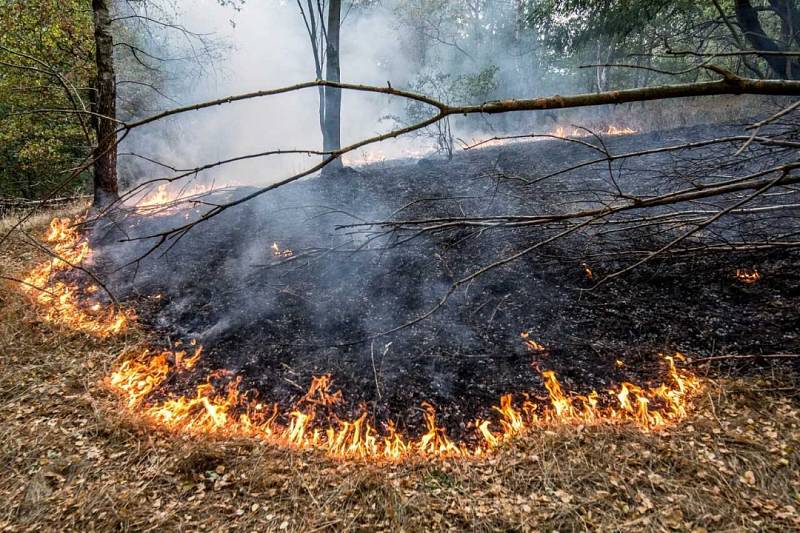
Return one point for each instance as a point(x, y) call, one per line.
point(276, 321)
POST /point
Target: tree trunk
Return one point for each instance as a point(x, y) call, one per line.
point(331, 135)
point(789, 12)
point(105, 105)
point(783, 67)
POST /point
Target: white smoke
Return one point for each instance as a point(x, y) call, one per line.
point(269, 48)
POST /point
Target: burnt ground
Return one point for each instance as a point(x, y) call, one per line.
point(277, 321)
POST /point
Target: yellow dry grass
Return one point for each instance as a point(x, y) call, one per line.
point(73, 459)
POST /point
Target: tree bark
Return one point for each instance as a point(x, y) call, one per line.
point(331, 135)
point(105, 106)
point(782, 66)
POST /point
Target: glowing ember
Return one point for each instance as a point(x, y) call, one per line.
point(277, 251)
point(62, 302)
point(588, 271)
point(532, 345)
point(748, 276)
point(219, 407)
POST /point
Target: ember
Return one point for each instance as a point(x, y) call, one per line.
point(532, 345)
point(748, 276)
point(588, 271)
point(277, 251)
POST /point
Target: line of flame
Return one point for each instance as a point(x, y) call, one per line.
point(309, 424)
point(162, 196)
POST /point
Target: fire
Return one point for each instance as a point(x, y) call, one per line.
point(62, 302)
point(748, 276)
point(619, 130)
point(564, 133)
point(162, 196)
point(220, 407)
point(378, 155)
point(158, 197)
point(277, 251)
point(311, 423)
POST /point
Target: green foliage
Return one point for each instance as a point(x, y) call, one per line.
point(646, 33)
point(450, 89)
point(39, 39)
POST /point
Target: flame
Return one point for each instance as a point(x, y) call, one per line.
point(158, 197)
point(62, 302)
point(619, 130)
point(219, 407)
point(748, 276)
point(162, 196)
point(564, 133)
point(374, 154)
point(561, 132)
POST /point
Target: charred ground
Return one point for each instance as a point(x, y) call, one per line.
point(276, 320)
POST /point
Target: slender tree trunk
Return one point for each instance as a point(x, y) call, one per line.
point(105, 105)
point(331, 135)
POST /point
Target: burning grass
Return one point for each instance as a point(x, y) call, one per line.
point(218, 406)
point(72, 460)
point(313, 424)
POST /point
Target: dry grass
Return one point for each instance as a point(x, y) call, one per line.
point(72, 460)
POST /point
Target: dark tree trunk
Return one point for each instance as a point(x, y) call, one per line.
point(783, 67)
point(789, 12)
point(105, 105)
point(331, 135)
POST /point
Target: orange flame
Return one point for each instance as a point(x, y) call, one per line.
point(162, 196)
point(310, 423)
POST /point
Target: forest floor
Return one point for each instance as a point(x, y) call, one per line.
point(73, 460)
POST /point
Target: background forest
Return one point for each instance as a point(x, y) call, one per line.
point(463, 51)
